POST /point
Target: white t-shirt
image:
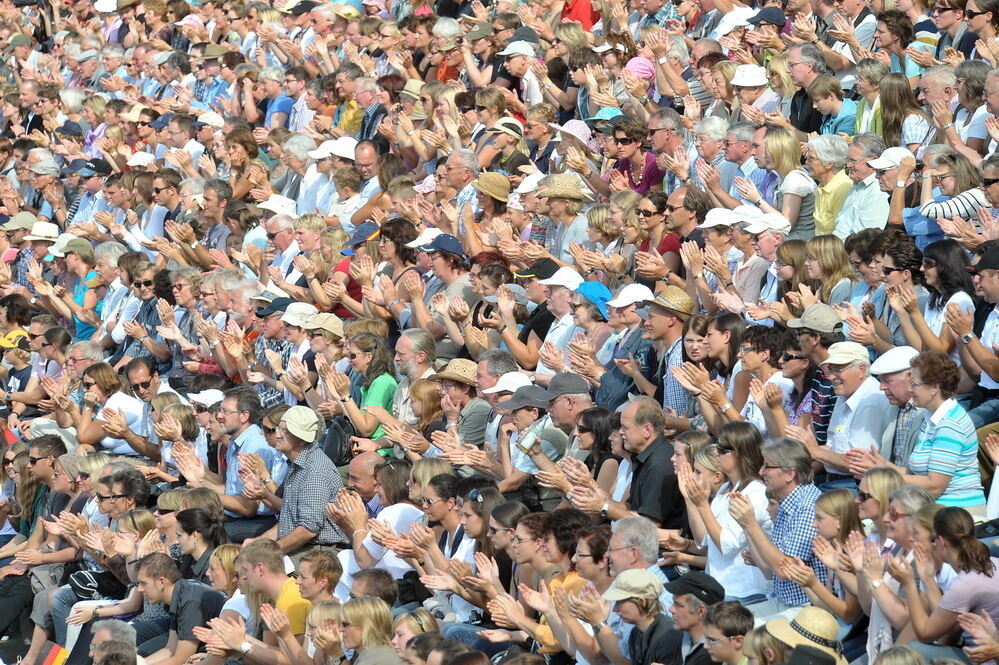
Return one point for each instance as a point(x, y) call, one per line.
point(131, 408)
point(935, 318)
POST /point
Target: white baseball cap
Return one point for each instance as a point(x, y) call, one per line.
point(518, 48)
point(323, 151)
point(898, 359)
point(773, 222)
point(280, 205)
point(719, 217)
point(299, 314)
point(209, 397)
point(426, 237)
point(889, 159)
point(508, 383)
point(632, 294)
point(529, 184)
point(564, 276)
point(141, 159)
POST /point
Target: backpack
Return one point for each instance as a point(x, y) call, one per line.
point(336, 440)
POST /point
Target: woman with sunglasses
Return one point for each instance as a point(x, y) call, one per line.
point(8, 488)
point(901, 265)
point(873, 496)
point(103, 390)
point(946, 277)
point(740, 460)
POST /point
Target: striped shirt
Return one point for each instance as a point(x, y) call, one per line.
point(947, 444)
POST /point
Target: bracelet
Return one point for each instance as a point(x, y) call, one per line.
point(727, 406)
point(394, 302)
point(356, 531)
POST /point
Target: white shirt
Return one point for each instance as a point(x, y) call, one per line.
point(725, 562)
point(859, 420)
point(559, 334)
point(990, 339)
point(132, 409)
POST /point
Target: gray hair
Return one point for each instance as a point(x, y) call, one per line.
point(742, 131)
point(640, 533)
point(367, 83)
point(47, 167)
point(299, 146)
point(668, 118)
point(466, 158)
point(991, 162)
point(830, 149)
point(228, 280)
point(791, 455)
point(91, 350)
point(712, 126)
point(111, 251)
point(114, 51)
point(678, 49)
point(447, 28)
point(812, 55)
point(275, 74)
point(117, 629)
point(942, 74)
point(872, 144)
point(195, 186)
point(283, 221)
point(912, 498)
point(499, 362)
point(423, 342)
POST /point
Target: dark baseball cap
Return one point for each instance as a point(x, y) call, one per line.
point(274, 306)
point(988, 261)
point(445, 243)
point(161, 121)
point(771, 15)
point(364, 232)
point(525, 396)
point(540, 269)
point(567, 383)
point(700, 585)
point(95, 167)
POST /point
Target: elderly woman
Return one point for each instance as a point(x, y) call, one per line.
point(944, 460)
point(825, 160)
point(104, 393)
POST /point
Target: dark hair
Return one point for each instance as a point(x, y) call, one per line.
point(392, 475)
point(246, 400)
point(657, 199)
point(379, 583)
point(400, 232)
point(952, 271)
point(509, 513)
point(451, 649)
point(905, 255)
point(16, 309)
point(133, 484)
point(381, 358)
point(58, 338)
point(597, 421)
point(424, 643)
point(158, 565)
point(956, 526)
point(469, 658)
point(392, 84)
point(938, 369)
point(735, 325)
point(564, 525)
point(197, 520)
point(445, 485)
point(766, 338)
point(898, 24)
point(696, 201)
point(866, 243)
point(598, 538)
point(49, 444)
point(746, 442)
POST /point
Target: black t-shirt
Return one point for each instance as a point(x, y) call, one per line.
point(539, 322)
point(187, 607)
point(660, 643)
point(804, 117)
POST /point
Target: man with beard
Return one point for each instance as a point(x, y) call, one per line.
point(415, 353)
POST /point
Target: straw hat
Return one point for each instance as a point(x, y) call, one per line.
point(493, 184)
point(461, 370)
point(564, 186)
point(812, 626)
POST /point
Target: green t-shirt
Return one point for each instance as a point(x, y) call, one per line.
point(381, 392)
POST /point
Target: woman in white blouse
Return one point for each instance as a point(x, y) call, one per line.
point(740, 459)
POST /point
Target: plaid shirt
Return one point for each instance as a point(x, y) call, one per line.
point(794, 530)
point(21, 268)
point(269, 396)
point(539, 229)
point(149, 318)
point(311, 483)
point(903, 441)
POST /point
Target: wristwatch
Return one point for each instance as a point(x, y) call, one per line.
point(604, 509)
point(966, 338)
point(244, 647)
point(876, 583)
point(597, 627)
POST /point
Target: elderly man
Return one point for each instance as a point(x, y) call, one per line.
point(367, 94)
point(295, 154)
point(311, 483)
point(787, 473)
point(805, 64)
point(280, 105)
point(460, 171)
point(859, 417)
point(825, 160)
point(767, 234)
point(866, 206)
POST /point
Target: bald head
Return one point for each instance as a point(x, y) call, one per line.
point(361, 474)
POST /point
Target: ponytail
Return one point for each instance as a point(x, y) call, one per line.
point(197, 520)
point(956, 526)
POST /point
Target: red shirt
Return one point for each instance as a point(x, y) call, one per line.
point(581, 11)
point(669, 244)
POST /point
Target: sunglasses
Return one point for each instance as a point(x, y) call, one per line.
point(723, 449)
point(158, 190)
point(894, 514)
point(480, 107)
point(268, 430)
point(987, 182)
point(788, 357)
point(139, 283)
point(35, 460)
point(885, 270)
point(863, 496)
point(647, 213)
point(144, 385)
point(110, 497)
point(972, 14)
point(87, 385)
point(164, 511)
point(622, 141)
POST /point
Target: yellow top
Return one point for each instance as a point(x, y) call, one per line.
point(828, 201)
point(290, 601)
point(572, 583)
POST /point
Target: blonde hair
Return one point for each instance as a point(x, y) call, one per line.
point(93, 463)
point(186, 417)
point(139, 521)
point(310, 222)
point(172, 499)
point(161, 401)
point(900, 655)
point(426, 468)
point(783, 149)
point(881, 483)
point(418, 621)
point(323, 610)
point(778, 66)
point(206, 499)
point(372, 616)
point(599, 218)
point(831, 254)
point(840, 504)
point(758, 642)
point(572, 35)
point(225, 556)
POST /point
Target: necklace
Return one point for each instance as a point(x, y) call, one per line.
point(637, 179)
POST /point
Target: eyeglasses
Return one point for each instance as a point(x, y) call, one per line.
point(178, 287)
point(518, 539)
point(268, 430)
point(772, 466)
point(139, 283)
point(863, 496)
point(35, 460)
point(229, 413)
point(788, 357)
point(111, 497)
point(480, 107)
point(87, 385)
point(712, 642)
point(746, 349)
point(894, 515)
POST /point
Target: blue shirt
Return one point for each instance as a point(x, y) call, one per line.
point(794, 530)
point(282, 104)
point(250, 441)
point(845, 122)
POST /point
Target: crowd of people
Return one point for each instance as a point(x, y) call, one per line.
point(530, 331)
